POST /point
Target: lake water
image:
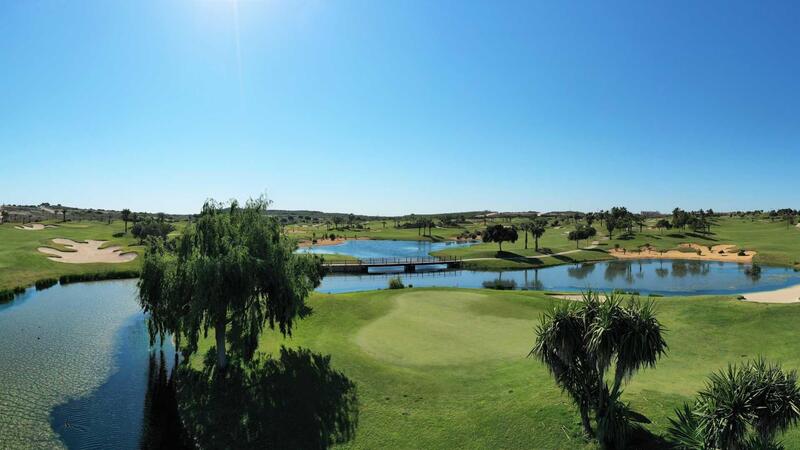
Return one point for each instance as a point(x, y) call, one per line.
point(664, 277)
point(384, 248)
point(74, 368)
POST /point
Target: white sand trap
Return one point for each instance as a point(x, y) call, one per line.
point(723, 252)
point(31, 227)
point(88, 252)
point(790, 294)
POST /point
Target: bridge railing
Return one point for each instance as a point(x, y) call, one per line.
point(396, 261)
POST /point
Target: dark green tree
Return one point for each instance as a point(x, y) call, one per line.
point(151, 228)
point(537, 230)
point(499, 233)
point(233, 271)
point(663, 223)
point(580, 233)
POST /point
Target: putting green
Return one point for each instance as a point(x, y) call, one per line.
point(446, 328)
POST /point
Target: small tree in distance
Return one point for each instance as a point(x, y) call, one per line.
point(126, 216)
point(662, 224)
point(499, 233)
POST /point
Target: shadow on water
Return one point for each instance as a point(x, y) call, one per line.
point(134, 408)
point(162, 428)
point(294, 401)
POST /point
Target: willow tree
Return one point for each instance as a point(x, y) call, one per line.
point(234, 272)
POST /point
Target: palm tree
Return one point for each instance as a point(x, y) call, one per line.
point(579, 342)
point(526, 228)
point(742, 407)
point(537, 230)
point(126, 216)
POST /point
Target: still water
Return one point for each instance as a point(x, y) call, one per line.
point(670, 277)
point(74, 368)
point(384, 248)
point(664, 277)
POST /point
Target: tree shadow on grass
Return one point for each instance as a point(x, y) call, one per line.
point(704, 237)
point(294, 401)
point(563, 258)
point(644, 439)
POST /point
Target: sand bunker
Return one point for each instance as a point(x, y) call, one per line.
point(785, 295)
point(724, 252)
point(87, 252)
point(34, 227)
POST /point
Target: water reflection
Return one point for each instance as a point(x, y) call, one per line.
point(162, 427)
point(675, 277)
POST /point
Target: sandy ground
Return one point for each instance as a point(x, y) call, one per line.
point(88, 252)
point(790, 294)
point(33, 227)
point(728, 254)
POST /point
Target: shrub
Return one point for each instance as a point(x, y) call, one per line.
point(396, 283)
point(741, 253)
point(754, 270)
point(499, 284)
point(118, 234)
point(6, 295)
point(45, 283)
point(77, 278)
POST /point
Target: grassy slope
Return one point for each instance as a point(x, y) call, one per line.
point(21, 264)
point(447, 368)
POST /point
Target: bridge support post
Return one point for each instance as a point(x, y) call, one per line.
point(410, 268)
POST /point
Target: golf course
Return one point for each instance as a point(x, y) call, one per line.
point(449, 368)
point(453, 368)
point(409, 225)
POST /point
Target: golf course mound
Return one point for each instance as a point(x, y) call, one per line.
point(87, 252)
point(448, 328)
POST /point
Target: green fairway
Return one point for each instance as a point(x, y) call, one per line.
point(22, 264)
point(775, 242)
point(447, 368)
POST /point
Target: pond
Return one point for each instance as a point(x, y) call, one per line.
point(663, 277)
point(384, 248)
point(76, 367)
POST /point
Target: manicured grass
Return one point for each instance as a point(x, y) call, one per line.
point(775, 243)
point(21, 264)
point(447, 368)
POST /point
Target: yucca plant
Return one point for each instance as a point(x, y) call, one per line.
point(742, 407)
point(580, 342)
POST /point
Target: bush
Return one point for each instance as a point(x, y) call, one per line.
point(754, 270)
point(45, 283)
point(499, 284)
point(118, 234)
point(741, 253)
point(6, 295)
point(77, 278)
point(151, 227)
point(396, 283)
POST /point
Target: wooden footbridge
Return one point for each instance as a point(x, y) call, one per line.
point(408, 264)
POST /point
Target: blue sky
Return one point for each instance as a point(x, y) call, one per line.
point(396, 107)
